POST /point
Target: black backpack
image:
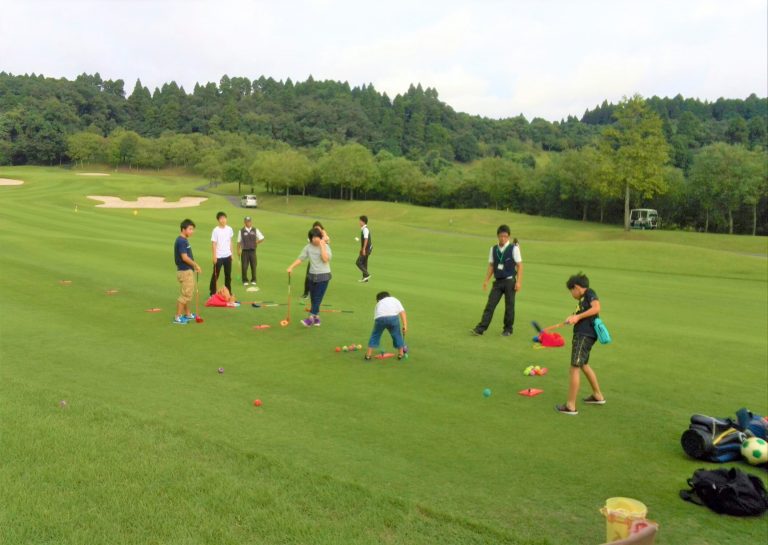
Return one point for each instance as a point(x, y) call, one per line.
point(727, 491)
point(712, 439)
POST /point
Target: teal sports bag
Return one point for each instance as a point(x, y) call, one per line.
point(603, 335)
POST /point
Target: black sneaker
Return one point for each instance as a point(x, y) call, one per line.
point(592, 400)
point(563, 409)
point(506, 333)
point(474, 331)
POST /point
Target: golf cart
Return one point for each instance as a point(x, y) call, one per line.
point(644, 218)
point(249, 201)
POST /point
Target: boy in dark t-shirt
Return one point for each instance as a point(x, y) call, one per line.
point(584, 337)
point(185, 267)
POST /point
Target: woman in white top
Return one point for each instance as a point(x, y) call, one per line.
point(221, 247)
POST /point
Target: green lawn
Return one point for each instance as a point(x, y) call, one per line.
point(156, 447)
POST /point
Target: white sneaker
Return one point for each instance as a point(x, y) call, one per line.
point(245, 283)
point(253, 283)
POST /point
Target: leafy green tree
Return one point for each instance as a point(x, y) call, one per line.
point(689, 127)
point(349, 167)
point(397, 176)
point(758, 133)
point(141, 111)
point(729, 176)
point(149, 155)
point(5, 140)
point(181, 150)
point(737, 131)
point(676, 202)
point(123, 148)
point(422, 190)
point(10, 132)
point(449, 181)
point(637, 150)
point(235, 170)
point(500, 179)
point(466, 148)
point(547, 134)
point(210, 167)
point(281, 170)
point(585, 177)
point(755, 171)
point(86, 147)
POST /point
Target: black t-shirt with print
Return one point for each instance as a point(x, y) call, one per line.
point(584, 326)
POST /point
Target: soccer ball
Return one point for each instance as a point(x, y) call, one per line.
point(755, 451)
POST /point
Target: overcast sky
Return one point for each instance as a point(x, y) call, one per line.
point(545, 58)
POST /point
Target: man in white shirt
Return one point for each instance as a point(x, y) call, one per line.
point(221, 245)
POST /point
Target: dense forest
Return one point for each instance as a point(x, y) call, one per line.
point(701, 164)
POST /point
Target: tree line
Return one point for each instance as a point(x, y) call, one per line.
point(702, 164)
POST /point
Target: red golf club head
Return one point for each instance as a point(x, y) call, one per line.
point(198, 319)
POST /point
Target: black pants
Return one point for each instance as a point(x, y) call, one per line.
point(225, 262)
point(362, 264)
point(248, 259)
point(501, 288)
point(307, 283)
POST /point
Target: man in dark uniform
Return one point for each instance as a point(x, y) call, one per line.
point(366, 247)
point(248, 237)
point(505, 265)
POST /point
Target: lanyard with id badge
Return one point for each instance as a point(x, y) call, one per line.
point(500, 256)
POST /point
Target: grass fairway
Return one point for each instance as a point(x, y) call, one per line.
point(156, 447)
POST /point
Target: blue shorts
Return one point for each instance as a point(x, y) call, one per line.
point(388, 323)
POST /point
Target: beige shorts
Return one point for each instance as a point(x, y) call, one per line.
point(187, 281)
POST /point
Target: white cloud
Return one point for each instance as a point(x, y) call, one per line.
point(546, 58)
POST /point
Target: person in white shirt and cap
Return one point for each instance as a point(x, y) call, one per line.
point(248, 237)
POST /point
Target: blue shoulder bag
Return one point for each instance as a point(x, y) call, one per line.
point(603, 335)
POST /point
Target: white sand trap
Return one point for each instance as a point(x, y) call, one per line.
point(147, 202)
point(8, 181)
point(92, 174)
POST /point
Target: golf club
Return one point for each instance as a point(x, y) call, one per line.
point(198, 319)
point(287, 320)
point(556, 326)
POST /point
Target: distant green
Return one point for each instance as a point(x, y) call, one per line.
point(154, 446)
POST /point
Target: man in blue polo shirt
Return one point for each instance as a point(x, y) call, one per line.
point(506, 267)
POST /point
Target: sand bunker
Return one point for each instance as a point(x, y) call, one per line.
point(147, 202)
point(8, 181)
point(92, 174)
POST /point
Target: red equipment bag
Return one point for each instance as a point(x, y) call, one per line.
point(551, 339)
